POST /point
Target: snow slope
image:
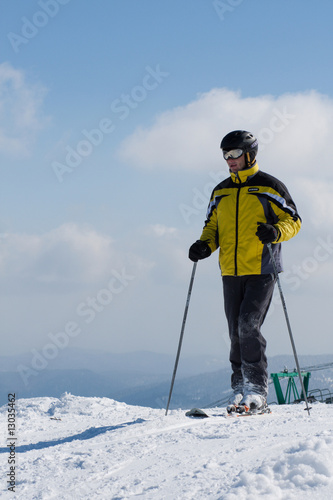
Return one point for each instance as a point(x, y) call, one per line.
point(84, 448)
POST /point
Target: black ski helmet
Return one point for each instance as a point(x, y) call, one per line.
point(241, 139)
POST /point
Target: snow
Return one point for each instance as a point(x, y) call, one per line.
point(82, 448)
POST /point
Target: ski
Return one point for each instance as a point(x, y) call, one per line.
point(199, 413)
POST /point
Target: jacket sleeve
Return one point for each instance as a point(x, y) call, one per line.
point(289, 221)
point(288, 228)
point(210, 230)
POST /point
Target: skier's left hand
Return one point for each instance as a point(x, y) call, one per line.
point(266, 233)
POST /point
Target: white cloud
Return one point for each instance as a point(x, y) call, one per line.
point(21, 115)
point(319, 206)
point(62, 259)
point(293, 131)
point(160, 230)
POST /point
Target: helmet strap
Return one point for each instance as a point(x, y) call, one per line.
point(248, 160)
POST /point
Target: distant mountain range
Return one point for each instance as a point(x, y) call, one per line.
point(101, 361)
point(139, 378)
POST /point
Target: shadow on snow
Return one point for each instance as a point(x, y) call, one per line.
point(88, 434)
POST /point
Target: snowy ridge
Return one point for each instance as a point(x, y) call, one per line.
point(143, 378)
point(82, 448)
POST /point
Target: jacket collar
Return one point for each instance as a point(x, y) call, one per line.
point(244, 175)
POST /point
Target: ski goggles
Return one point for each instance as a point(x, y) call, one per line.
point(232, 154)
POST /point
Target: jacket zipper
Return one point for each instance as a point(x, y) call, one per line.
point(236, 241)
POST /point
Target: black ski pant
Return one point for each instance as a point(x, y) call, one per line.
point(246, 302)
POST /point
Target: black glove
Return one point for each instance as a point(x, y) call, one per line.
point(266, 233)
point(199, 250)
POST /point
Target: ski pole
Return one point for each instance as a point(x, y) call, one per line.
point(288, 325)
point(181, 334)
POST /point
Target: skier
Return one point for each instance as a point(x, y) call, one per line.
point(246, 212)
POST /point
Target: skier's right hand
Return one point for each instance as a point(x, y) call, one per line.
point(199, 250)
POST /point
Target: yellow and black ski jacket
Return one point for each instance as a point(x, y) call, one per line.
point(237, 204)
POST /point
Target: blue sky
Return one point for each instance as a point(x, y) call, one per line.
point(111, 115)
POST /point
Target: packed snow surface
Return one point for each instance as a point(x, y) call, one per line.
point(97, 448)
